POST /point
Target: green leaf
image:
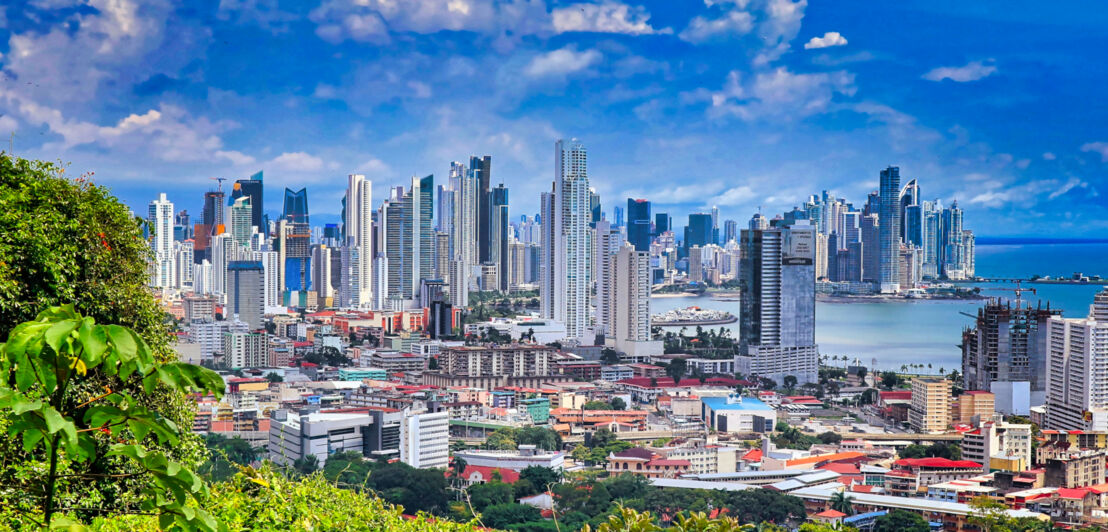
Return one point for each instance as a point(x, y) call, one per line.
point(31, 438)
point(125, 348)
point(57, 334)
point(94, 340)
point(65, 523)
point(21, 405)
point(54, 420)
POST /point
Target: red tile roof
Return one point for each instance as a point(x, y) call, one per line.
point(753, 455)
point(938, 463)
point(834, 457)
point(1072, 493)
point(485, 474)
point(831, 514)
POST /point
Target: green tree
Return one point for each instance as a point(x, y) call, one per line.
point(677, 369)
point(70, 241)
point(618, 404)
point(841, 502)
point(273, 377)
point(790, 381)
point(236, 449)
point(481, 496)
point(47, 367)
point(540, 477)
point(348, 469)
point(901, 521)
point(306, 465)
point(417, 490)
point(597, 405)
point(890, 379)
point(609, 356)
point(504, 515)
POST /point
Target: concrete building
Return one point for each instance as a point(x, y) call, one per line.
point(1007, 344)
point(999, 441)
point(629, 307)
point(495, 361)
point(1077, 370)
point(735, 413)
point(160, 218)
point(974, 404)
point(930, 408)
point(518, 460)
point(246, 292)
point(565, 283)
point(1075, 469)
point(245, 349)
point(294, 436)
point(425, 440)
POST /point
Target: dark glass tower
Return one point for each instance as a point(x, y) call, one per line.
point(662, 223)
point(638, 224)
point(296, 206)
point(699, 232)
point(252, 188)
point(482, 172)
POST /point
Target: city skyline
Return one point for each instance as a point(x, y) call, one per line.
point(817, 99)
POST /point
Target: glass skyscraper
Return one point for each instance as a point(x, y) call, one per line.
point(638, 224)
point(889, 230)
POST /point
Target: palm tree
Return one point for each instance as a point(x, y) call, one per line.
point(457, 469)
point(841, 502)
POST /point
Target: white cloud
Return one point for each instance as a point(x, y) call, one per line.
point(992, 198)
point(829, 39)
point(972, 71)
point(736, 196)
point(373, 20)
point(8, 125)
point(561, 62)
point(297, 162)
point(606, 17)
point(1097, 147)
point(1068, 186)
point(780, 93)
point(374, 166)
point(702, 29)
point(1048, 156)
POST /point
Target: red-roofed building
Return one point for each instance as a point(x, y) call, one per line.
point(910, 475)
point(804, 400)
point(482, 474)
point(895, 404)
point(1073, 505)
point(640, 461)
point(829, 516)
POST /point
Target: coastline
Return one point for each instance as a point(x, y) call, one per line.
point(893, 299)
point(693, 323)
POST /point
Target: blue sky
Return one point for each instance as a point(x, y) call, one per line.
point(735, 103)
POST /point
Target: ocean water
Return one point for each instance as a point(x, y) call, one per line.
point(890, 334)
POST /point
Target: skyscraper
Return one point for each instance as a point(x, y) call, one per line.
point(498, 243)
point(889, 230)
point(629, 294)
point(296, 206)
point(566, 253)
point(909, 197)
point(241, 227)
point(160, 220)
point(481, 168)
point(662, 223)
point(251, 188)
point(606, 244)
point(730, 231)
point(357, 266)
point(1008, 343)
point(778, 302)
point(699, 231)
point(638, 223)
point(246, 292)
point(421, 197)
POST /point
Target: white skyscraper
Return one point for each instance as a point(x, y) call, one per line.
point(358, 226)
point(270, 284)
point(566, 250)
point(606, 244)
point(183, 254)
point(241, 228)
point(425, 440)
point(160, 218)
point(1077, 370)
point(629, 303)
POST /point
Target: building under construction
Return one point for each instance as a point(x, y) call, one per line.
point(1007, 344)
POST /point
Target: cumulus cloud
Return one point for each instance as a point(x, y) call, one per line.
point(992, 198)
point(1096, 147)
point(703, 29)
point(374, 20)
point(1048, 156)
point(972, 71)
point(779, 93)
point(1066, 187)
point(297, 162)
point(606, 17)
point(829, 39)
point(736, 196)
point(561, 62)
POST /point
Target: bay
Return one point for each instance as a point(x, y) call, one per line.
point(901, 332)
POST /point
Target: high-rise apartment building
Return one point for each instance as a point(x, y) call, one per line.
point(241, 226)
point(481, 170)
point(245, 349)
point(1077, 370)
point(357, 263)
point(605, 246)
point(929, 411)
point(889, 230)
point(246, 292)
point(629, 307)
point(778, 302)
point(160, 220)
point(251, 188)
point(566, 250)
point(498, 235)
point(425, 440)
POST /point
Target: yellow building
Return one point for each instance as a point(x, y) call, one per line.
point(930, 408)
point(975, 403)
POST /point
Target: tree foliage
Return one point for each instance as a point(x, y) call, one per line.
point(46, 368)
point(901, 521)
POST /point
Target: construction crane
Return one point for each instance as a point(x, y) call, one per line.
point(220, 180)
point(1019, 290)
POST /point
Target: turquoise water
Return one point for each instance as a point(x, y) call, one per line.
point(928, 332)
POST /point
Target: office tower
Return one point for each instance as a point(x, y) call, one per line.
point(442, 255)
point(914, 227)
point(393, 262)
point(909, 197)
point(821, 261)
point(246, 292)
point(481, 170)
point(241, 227)
point(357, 266)
point(1077, 370)
point(332, 234)
point(831, 252)
point(251, 188)
point(952, 261)
point(630, 303)
point(421, 198)
point(213, 211)
point(444, 208)
point(778, 302)
point(696, 264)
point(498, 235)
point(929, 411)
point(699, 230)
point(296, 206)
point(464, 233)
point(160, 220)
point(758, 222)
point(730, 231)
point(321, 273)
point(871, 259)
point(662, 223)
point(566, 253)
point(969, 254)
point(638, 223)
point(715, 220)
point(425, 440)
point(606, 244)
point(889, 231)
point(181, 229)
point(853, 261)
point(617, 214)
point(1008, 343)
